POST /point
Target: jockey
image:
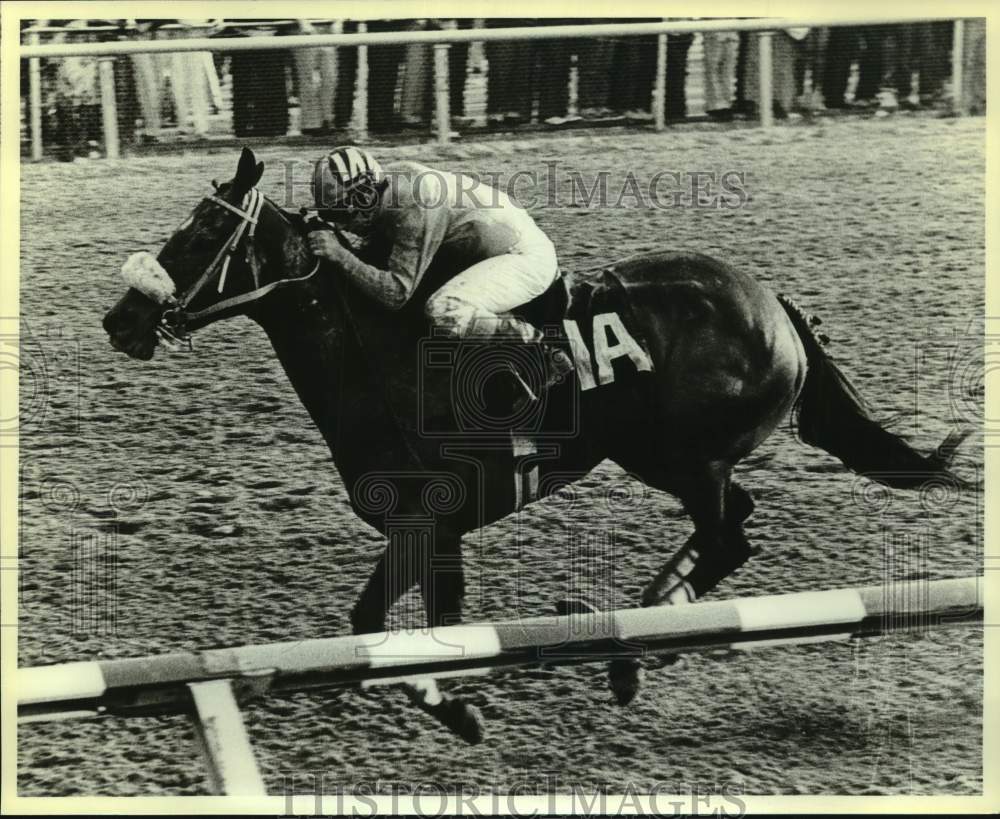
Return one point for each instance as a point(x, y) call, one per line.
point(415, 212)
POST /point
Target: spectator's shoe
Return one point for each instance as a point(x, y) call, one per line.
point(602, 116)
point(460, 123)
point(887, 100)
point(720, 114)
point(560, 122)
point(638, 115)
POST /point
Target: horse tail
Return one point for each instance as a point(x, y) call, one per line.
point(832, 415)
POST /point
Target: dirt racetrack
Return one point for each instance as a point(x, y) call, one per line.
point(232, 525)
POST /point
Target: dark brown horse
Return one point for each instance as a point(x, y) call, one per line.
point(683, 366)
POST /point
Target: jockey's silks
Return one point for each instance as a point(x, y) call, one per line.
point(425, 211)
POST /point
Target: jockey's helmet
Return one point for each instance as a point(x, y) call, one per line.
point(347, 180)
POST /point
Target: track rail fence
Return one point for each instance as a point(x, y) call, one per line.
point(765, 28)
point(210, 686)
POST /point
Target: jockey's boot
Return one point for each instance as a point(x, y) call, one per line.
point(558, 365)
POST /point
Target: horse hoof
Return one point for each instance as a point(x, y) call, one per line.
point(465, 720)
point(625, 677)
point(460, 718)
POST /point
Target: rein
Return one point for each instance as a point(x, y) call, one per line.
point(173, 322)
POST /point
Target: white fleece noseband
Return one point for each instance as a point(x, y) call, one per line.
point(142, 272)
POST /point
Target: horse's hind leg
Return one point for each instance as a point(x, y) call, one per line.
point(717, 507)
point(717, 548)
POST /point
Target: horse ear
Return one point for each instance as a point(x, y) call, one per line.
point(248, 171)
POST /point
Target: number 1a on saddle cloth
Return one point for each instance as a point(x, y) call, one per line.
point(441, 387)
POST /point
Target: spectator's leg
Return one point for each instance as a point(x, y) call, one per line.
point(740, 103)
point(525, 84)
point(179, 82)
point(62, 131)
point(126, 99)
point(553, 91)
point(198, 91)
point(383, 74)
point(935, 59)
point(500, 57)
point(212, 66)
point(838, 66)
point(903, 62)
point(677, 53)
point(593, 61)
point(347, 72)
point(458, 65)
point(416, 80)
point(91, 127)
point(624, 74)
point(974, 69)
point(497, 57)
point(783, 84)
point(326, 96)
point(751, 74)
point(711, 55)
point(310, 114)
point(801, 62)
point(816, 45)
point(870, 63)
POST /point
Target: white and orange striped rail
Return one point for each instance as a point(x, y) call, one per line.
point(208, 683)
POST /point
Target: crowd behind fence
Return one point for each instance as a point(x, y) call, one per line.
point(131, 89)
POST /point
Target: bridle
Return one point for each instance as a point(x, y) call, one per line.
point(174, 321)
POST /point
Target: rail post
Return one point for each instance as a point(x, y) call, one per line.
point(109, 107)
point(361, 92)
point(35, 99)
point(441, 102)
point(764, 103)
point(660, 89)
point(957, 68)
point(220, 730)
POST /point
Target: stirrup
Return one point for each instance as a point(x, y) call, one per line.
point(525, 396)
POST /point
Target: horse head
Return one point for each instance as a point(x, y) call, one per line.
point(234, 248)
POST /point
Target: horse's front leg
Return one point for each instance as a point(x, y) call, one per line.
point(394, 575)
point(435, 564)
point(442, 585)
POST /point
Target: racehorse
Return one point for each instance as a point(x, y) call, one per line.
point(683, 366)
